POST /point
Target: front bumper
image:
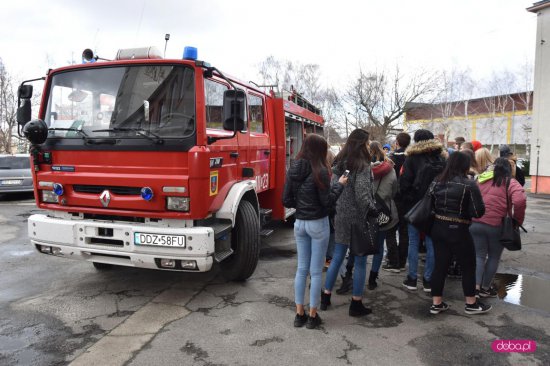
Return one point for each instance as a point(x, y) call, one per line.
point(113, 242)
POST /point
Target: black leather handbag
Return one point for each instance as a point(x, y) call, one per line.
point(510, 237)
point(363, 237)
point(422, 215)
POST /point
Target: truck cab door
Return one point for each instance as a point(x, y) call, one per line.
point(256, 142)
point(224, 153)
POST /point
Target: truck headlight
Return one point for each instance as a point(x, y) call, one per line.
point(49, 196)
point(177, 203)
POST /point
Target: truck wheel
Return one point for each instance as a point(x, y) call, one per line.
point(102, 266)
point(245, 242)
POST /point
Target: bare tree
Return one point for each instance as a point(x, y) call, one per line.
point(292, 75)
point(455, 88)
point(382, 97)
point(8, 110)
point(498, 89)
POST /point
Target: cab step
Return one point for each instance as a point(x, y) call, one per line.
point(265, 216)
point(221, 229)
point(266, 232)
point(289, 212)
point(223, 255)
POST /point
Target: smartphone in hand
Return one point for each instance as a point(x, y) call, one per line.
point(346, 173)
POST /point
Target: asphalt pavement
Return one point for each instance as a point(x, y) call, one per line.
point(55, 311)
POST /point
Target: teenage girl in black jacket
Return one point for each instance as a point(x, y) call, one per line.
point(456, 200)
point(308, 189)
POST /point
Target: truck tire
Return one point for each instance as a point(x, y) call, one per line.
point(102, 266)
point(245, 242)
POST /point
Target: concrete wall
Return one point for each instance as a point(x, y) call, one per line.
point(541, 105)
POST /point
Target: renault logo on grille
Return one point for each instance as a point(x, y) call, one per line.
point(105, 198)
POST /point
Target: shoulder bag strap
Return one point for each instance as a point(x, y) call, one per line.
point(508, 208)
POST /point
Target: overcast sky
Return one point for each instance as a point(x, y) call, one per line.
point(236, 35)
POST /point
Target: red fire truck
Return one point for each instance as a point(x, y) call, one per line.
point(159, 163)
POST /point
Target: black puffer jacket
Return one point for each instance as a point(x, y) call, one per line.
point(417, 156)
point(302, 193)
point(459, 198)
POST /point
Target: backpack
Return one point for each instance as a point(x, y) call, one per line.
point(432, 167)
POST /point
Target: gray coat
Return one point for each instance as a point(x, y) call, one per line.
point(353, 204)
point(386, 187)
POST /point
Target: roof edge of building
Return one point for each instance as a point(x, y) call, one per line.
point(539, 6)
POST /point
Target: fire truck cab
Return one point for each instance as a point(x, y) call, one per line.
point(159, 163)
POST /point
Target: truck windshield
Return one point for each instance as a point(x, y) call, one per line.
point(122, 102)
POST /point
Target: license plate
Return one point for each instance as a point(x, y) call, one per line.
point(12, 182)
point(160, 240)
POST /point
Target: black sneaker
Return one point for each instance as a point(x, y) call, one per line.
point(477, 293)
point(427, 286)
point(436, 309)
point(490, 292)
point(391, 268)
point(409, 283)
point(477, 308)
point(313, 323)
point(300, 320)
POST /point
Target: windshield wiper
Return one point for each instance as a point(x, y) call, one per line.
point(84, 134)
point(140, 131)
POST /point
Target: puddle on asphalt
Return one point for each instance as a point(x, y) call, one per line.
point(524, 290)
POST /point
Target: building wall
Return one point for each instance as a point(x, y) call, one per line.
point(512, 128)
point(541, 105)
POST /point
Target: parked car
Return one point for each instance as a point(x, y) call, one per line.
point(15, 173)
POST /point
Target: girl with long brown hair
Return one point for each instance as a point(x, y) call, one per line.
point(354, 203)
point(308, 189)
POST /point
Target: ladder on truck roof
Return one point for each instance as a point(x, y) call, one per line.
point(300, 109)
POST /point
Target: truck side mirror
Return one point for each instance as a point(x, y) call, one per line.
point(234, 110)
point(24, 94)
point(24, 112)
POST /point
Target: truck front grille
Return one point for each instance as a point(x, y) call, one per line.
point(123, 191)
point(114, 218)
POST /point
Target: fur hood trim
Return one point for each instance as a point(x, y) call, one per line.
point(423, 147)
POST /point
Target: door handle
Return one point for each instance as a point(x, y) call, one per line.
point(234, 154)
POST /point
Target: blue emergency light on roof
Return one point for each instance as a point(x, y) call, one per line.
point(58, 189)
point(190, 53)
point(147, 193)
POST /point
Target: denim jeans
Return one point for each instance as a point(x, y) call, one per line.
point(359, 272)
point(330, 249)
point(377, 258)
point(311, 245)
point(488, 252)
point(414, 242)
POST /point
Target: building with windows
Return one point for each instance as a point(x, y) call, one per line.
point(540, 138)
point(494, 120)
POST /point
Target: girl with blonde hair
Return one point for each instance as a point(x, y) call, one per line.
point(484, 159)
